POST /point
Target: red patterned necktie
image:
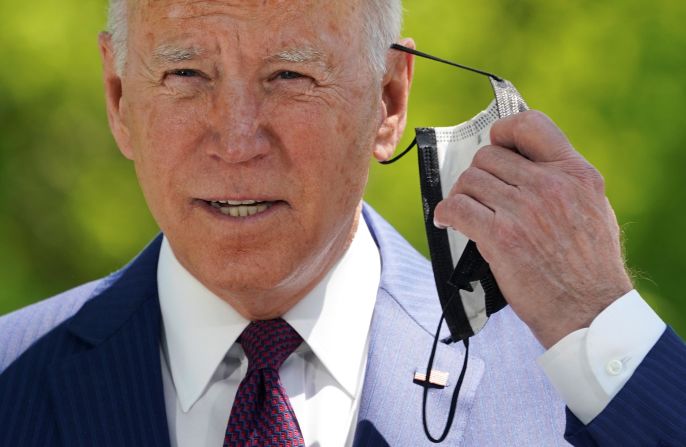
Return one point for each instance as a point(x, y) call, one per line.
point(262, 414)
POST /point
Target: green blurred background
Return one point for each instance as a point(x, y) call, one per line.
point(611, 74)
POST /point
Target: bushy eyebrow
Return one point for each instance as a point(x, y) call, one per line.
point(300, 55)
point(170, 53)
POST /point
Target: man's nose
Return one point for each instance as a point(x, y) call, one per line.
point(239, 133)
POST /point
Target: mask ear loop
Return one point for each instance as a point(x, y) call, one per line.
point(429, 367)
point(405, 49)
point(402, 154)
point(458, 385)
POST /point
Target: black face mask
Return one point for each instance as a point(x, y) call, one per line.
point(466, 287)
point(467, 290)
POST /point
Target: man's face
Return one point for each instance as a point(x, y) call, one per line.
point(272, 107)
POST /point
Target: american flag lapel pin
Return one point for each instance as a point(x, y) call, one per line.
point(437, 379)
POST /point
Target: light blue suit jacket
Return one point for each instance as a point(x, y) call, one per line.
point(83, 369)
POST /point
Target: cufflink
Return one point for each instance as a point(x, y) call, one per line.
point(437, 379)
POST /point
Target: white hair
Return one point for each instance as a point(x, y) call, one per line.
point(118, 28)
point(382, 22)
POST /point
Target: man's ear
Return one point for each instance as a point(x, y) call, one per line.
point(113, 96)
point(395, 92)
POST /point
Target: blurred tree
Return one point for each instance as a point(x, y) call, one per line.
point(609, 73)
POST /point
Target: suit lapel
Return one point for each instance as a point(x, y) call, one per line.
point(405, 317)
point(110, 394)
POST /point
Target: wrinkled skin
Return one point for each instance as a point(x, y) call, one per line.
point(234, 122)
point(230, 118)
point(539, 216)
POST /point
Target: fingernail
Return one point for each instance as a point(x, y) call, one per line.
point(439, 225)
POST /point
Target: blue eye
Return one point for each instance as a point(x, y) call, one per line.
point(289, 75)
point(184, 73)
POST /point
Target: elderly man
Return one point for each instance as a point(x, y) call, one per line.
point(277, 309)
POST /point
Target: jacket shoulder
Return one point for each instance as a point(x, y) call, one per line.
point(20, 329)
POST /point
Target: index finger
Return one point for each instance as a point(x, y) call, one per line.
point(533, 135)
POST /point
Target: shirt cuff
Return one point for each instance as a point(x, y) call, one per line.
point(591, 365)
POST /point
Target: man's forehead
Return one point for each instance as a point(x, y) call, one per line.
point(245, 9)
point(180, 30)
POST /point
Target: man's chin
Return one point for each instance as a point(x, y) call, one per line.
point(246, 278)
point(260, 297)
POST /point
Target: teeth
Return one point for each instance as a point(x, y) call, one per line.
point(240, 208)
point(240, 202)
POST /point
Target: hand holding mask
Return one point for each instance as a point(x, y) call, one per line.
point(507, 198)
point(538, 213)
point(534, 207)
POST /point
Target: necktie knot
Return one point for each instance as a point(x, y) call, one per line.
point(267, 343)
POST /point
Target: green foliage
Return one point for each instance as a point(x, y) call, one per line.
point(611, 74)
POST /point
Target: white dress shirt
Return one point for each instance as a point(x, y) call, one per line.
point(202, 366)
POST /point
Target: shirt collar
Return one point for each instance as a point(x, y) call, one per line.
point(333, 319)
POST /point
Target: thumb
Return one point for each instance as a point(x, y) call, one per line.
point(533, 135)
